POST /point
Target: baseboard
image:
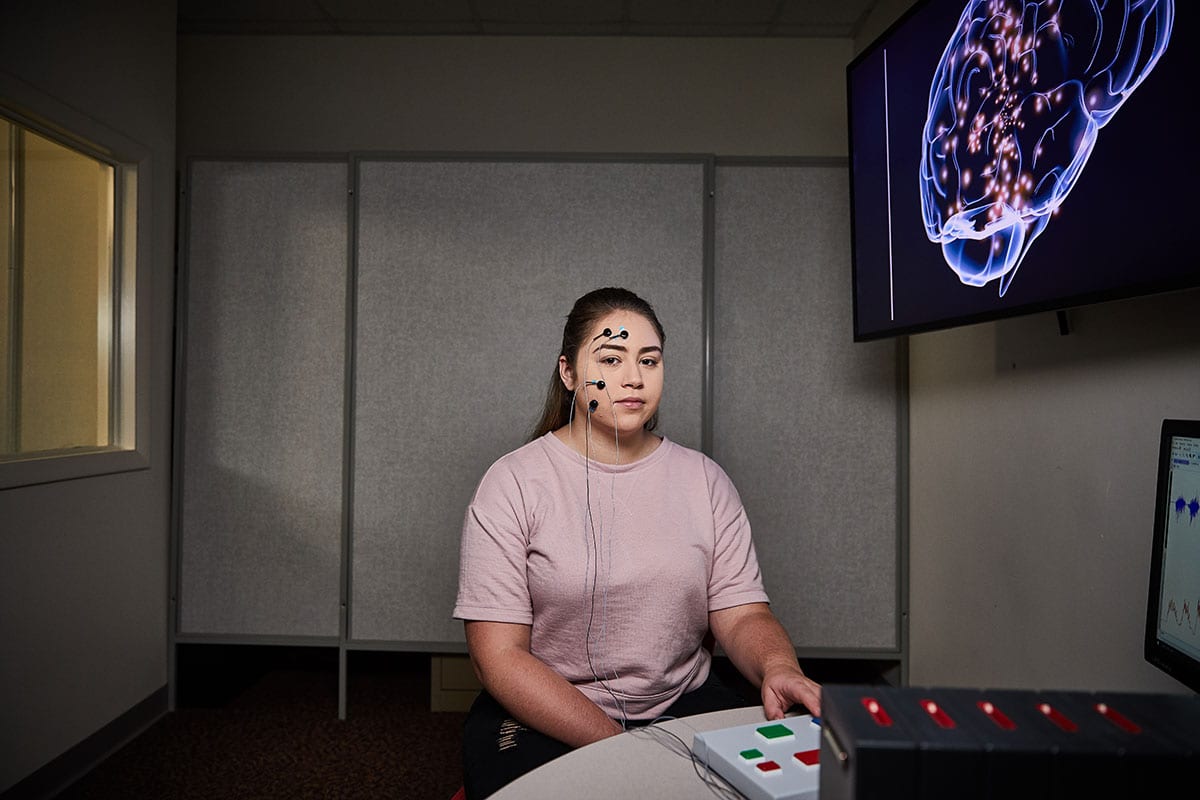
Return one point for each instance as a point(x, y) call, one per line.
point(72, 765)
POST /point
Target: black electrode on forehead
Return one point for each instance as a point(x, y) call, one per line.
point(608, 334)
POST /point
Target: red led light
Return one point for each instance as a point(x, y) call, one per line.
point(877, 712)
point(939, 715)
point(1056, 716)
point(1117, 718)
point(996, 715)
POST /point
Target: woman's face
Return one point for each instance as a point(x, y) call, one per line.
point(630, 367)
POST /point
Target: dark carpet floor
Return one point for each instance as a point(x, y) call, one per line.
point(271, 730)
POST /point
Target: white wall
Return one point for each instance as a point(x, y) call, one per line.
point(568, 94)
point(83, 563)
point(1033, 466)
point(878, 20)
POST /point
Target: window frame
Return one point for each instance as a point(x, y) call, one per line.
point(129, 416)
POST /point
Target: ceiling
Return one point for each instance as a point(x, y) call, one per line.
point(752, 18)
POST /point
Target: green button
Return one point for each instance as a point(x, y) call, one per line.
point(776, 731)
point(751, 755)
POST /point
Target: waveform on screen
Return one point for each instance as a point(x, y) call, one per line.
point(1192, 507)
point(1185, 618)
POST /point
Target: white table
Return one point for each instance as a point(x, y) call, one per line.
point(640, 763)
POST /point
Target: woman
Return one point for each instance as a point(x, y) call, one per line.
point(598, 557)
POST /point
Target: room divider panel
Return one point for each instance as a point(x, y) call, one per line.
point(363, 336)
point(259, 438)
point(809, 425)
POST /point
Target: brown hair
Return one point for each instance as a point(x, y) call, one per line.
point(587, 309)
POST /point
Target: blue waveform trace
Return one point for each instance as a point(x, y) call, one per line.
point(1192, 507)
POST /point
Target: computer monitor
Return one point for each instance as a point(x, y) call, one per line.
point(1173, 609)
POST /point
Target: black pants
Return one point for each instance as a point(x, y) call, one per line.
point(497, 749)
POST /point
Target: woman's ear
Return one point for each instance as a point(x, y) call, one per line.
point(566, 374)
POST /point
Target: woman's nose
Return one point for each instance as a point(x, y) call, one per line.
point(633, 375)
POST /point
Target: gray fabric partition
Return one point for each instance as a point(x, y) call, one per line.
point(260, 524)
point(466, 270)
point(804, 419)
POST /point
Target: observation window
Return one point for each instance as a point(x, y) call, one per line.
point(67, 247)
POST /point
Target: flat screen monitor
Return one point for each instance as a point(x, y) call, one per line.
point(1173, 610)
point(1011, 157)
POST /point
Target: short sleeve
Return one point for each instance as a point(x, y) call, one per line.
point(735, 578)
point(492, 582)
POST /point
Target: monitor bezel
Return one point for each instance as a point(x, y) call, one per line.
point(1159, 653)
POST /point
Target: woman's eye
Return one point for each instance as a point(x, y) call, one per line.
point(649, 362)
point(610, 361)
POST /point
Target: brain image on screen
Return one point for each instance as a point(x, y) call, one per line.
point(1015, 108)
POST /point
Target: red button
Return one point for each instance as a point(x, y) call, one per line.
point(768, 766)
point(809, 758)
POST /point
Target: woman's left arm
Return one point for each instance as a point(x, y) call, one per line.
point(762, 651)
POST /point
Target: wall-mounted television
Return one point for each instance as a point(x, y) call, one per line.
point(1172, 640)
point(1010, 157)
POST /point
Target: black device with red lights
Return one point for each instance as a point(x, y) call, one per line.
point(928, 743)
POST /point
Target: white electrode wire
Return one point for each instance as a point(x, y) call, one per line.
point(611, 673)
point(612, 516)
point(587, 552)
point(571, 419)
point(596, 536)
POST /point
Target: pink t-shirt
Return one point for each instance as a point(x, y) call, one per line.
point(618, 600)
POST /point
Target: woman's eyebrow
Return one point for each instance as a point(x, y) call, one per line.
point(652, 348)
